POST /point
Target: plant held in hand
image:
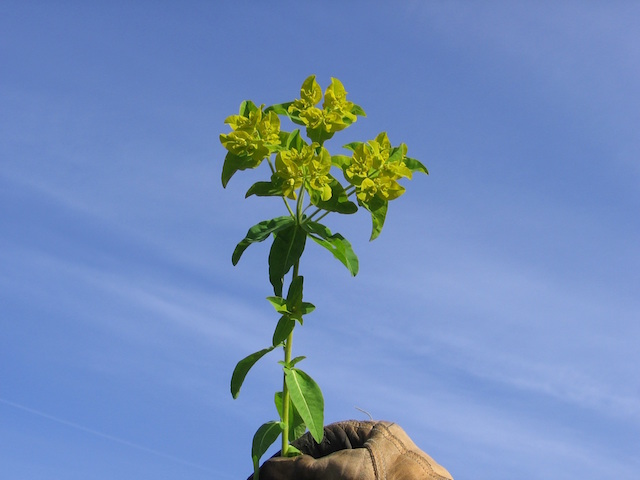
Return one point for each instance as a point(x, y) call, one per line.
point(301, 176)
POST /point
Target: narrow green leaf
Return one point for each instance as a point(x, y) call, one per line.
point(266, 189)
point(339, 246)
point(294, 361)
point(233, 163)
point(357, 110)
point(247, 107)
point(378, 210)
point(280, 108)
point(294, 295)
point(284, 327)
point(352, 146)
point(293, 451)
point(266, 435)
point(259, 233)
point(307, 307)
point(278, 402)
point(415, 166)
point(396, 154)
point(288, 245)
point(307, 399)
point(279, 303)
point(243, 367)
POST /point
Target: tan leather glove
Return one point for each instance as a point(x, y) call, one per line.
point(354, 450)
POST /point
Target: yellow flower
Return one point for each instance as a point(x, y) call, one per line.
point(269, 129)
point(254, 135)
point(304, 167)
point(289, 168)
point(317, 174)
point(312, 117)
point(361, 164)
point(337, 109)
point(336, 113)
point(241, 122)
point(375, 168)
point(367, 190)
point(243, 144)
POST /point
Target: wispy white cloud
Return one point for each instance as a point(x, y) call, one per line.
point(103, 435)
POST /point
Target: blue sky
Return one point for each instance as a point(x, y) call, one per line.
point(496, 318)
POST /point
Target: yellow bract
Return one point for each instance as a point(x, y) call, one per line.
point(244, 144)
point(374, 171)
point(336, 113)
point(298, 167)
point(254, 136)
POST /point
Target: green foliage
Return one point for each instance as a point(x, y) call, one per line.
point(266, 435)
point(307, 400)
point(294, 420)
point(336, 244)
point(243, 367)
point(301, 176)
point(259, 233)
point(288, 245)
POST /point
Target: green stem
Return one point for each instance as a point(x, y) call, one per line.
point(322, 216)
point(349, 191)
point(286, 204)
point(286, 399)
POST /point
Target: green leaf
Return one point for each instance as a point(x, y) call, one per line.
point(286, 250)
point(293, 451)
point(396, 154)
point(247, 107)
point(294, 361)
point(357, 110)
point(279, 303)
point(339, 202)
point(259, 233)
point(296, 424)
point(266, 189)
point(295, 141)
point(319, 134)
point(415, 166)
point(294, 295)
point(352, 146)
point(284, 327)
point(266, 435)
point(307, 307)
point(279, 108)
point(340, 161)
point(378, 210)
point(243, 367)
point(307, 399)
point(339, 246)
point(233, 163)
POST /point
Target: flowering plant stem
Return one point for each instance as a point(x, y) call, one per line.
point(301, 171)
point(286, 400)
point(288, 344)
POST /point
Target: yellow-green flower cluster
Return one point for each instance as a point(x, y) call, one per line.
point(336, 113)
point(254, 136)
point(374, 172)
point(304, 167)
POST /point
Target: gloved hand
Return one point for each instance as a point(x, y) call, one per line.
point(354, 450)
